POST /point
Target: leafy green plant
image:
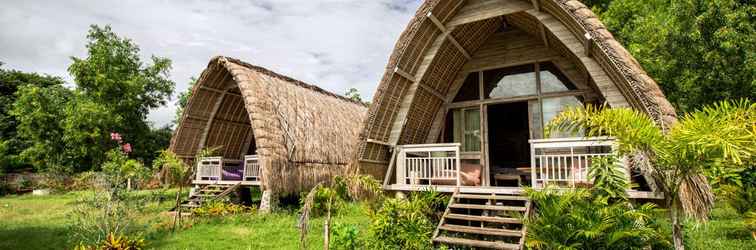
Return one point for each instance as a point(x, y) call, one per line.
point(742, 199)
point(113, 242)
point(346, 237)
point(405, 223)
point(674, 155)
point(609, 178)
point(217, 208)
point(579, 220)
point(750, 221)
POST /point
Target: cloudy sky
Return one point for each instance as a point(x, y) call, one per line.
point(336, 44)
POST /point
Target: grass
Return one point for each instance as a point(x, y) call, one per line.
point(41, 222)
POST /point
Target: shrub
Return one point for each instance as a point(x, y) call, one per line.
point(406, 223)
point(742, 199)
point(220, 208)
point(577, 220)
point(346, 237)
point(113, 242)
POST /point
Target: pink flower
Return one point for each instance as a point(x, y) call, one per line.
point(126, 148)
point(115, 136)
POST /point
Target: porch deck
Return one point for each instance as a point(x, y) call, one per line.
point(634, 194)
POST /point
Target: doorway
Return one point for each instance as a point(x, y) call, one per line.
point(508, 146)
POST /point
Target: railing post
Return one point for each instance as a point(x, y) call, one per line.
point(401, 170)
point(459, 165)
point(533, 183)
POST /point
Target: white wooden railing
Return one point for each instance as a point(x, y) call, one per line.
point(251, 168)
point(428, 164)
point(211, 168)
point(565, 161)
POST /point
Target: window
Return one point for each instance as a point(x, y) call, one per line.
point(470, 89)
point(552, 107)
point(510, 82)
point(467, 129)
point(552, 79)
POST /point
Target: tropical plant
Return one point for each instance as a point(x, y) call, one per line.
point(405, 223)
point(750, 221)
point(579, 220)
point(609, 178)
point(675, 155)
point(216, 208)
point(346, 237)
point(113, 242)
point(328, 198)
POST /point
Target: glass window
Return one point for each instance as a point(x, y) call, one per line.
point(470, 89)
point(552, 79)
point(467, 129)
point(536, 130)
point(552, 107)
point(510, 82)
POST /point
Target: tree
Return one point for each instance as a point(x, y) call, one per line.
point(113, 77)
point(10, 82)
point(700, 51)
point(721, 134)
point(354, 94)
point(38, 112)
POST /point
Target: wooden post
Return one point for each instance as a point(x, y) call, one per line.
point(459, 166)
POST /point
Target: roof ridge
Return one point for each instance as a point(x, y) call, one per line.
point(283, 77)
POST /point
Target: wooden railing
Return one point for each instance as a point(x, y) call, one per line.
point(565, 161)
point(251, 168)
point(428, 164)
point(211, 168)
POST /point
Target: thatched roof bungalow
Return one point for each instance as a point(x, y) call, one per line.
point(299, 133)
point(488, 75)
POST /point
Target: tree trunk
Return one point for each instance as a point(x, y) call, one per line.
point(327, 227)
point(268, 201)
point(677, 230)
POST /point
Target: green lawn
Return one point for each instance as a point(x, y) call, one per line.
point(40, 222)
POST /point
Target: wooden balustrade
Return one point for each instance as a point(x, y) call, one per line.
point(428, 164)
point(565, 161)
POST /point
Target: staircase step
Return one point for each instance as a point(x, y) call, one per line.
point(482, 230)
point(190, 205)
point(475, 243)
point(484, 218)
point(488, 207)
point(491, 197)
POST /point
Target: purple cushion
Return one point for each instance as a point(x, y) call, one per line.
point(233, 173)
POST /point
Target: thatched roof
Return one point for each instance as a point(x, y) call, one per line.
point(303, 134)
point(422, 53)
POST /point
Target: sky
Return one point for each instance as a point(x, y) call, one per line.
point(335, 44)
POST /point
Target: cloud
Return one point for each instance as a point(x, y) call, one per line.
point(335, 44)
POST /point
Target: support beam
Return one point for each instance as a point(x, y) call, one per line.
point(433, 92)
point(536, 5)
point(206, 130)
point(404, 74)
point(544, 37)
point(448, 35)
point(484, 9)
point(588, 44)
point(379, 142)
point(219, 91)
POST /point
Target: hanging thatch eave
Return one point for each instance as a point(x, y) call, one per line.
point(425, 64)
point(303, 134)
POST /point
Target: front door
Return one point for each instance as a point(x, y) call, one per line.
point(508, 148)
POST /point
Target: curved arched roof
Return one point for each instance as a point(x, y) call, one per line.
point(303, 134)
point(444, 35)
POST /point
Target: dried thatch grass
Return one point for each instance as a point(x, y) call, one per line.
point(303, 134)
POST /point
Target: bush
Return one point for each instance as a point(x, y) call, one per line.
point(221, 208)
point(742, 199)
point(346, 237)
point(113, 242)
point(406, 223)
point(577, 220)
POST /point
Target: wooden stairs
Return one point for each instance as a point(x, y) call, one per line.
point(483, 221)
point(206, 193)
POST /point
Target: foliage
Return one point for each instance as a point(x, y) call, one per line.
point(86, 127)
point(742, 199)
point(700, 51)
point(221, 208)
point(405, 223)
point(354, 94)
point(721, 134)
point(173, 170)
point(11, 144)
point(609, 178)
point(578, 220)
point(38, 112)
point(113, 242)
point(346, 237)
point(750, 221)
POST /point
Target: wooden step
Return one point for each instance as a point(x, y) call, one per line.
point(488, 207)
point(491, 197)
point(482, 230)
point(484, 218)
point(475, 243)
point(190, 205)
